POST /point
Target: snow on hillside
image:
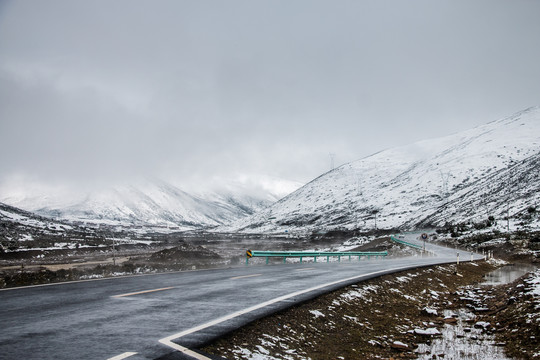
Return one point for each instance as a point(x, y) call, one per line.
point(429, 182)
point(513, 191)
point(146, 202)
point(18, 216)
point(17, 226)
point(488, 171)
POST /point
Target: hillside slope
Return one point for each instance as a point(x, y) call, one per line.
point(18, 226)
point(431, 182)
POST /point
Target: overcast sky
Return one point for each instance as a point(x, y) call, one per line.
point(189, 90)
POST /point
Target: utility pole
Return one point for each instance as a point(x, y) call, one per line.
point(508, 216)
point(444, 178)
point(359, 194)
point(508, 203)
point(113, 251)
point(375, 212)
point(104, 232)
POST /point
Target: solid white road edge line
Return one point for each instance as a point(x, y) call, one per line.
point(168, 340)
point(122, 356)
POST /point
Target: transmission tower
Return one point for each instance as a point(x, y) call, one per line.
point(332, 156)
point(444, 178)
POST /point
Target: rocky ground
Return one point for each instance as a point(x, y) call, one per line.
point(166, 253)
point(432, 313)
point(128, 261)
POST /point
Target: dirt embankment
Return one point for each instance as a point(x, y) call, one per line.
point(396, 316)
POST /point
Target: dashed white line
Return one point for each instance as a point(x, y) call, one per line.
point(142, 292)
point(304, 269)
point(244, 276)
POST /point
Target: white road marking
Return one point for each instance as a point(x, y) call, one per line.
point(169, 339)
point(244, 276)
point(142, 292)
point(122, 356)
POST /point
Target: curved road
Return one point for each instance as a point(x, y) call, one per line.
point(163, 315)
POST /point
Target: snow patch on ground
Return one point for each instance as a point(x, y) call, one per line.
point(359, 293)
point(534, 284)
point(317, 313)
point(428, 332)
point(430, 311)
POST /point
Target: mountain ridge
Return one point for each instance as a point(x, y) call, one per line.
point(427, 183)
point(395, 187)
point(147, 202)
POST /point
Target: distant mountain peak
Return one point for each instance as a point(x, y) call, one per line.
point(144, 201)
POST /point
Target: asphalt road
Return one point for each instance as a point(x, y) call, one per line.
point(155, 316)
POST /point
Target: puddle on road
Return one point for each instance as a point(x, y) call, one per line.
point(507, 274)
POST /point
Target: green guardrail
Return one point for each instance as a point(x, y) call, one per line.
point(406, 243)
point(313, 254)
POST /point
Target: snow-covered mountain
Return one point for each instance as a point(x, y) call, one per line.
point(491, 170)
point(148, 202)
point(513, 192)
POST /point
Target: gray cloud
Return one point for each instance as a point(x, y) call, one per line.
point(193, 89)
